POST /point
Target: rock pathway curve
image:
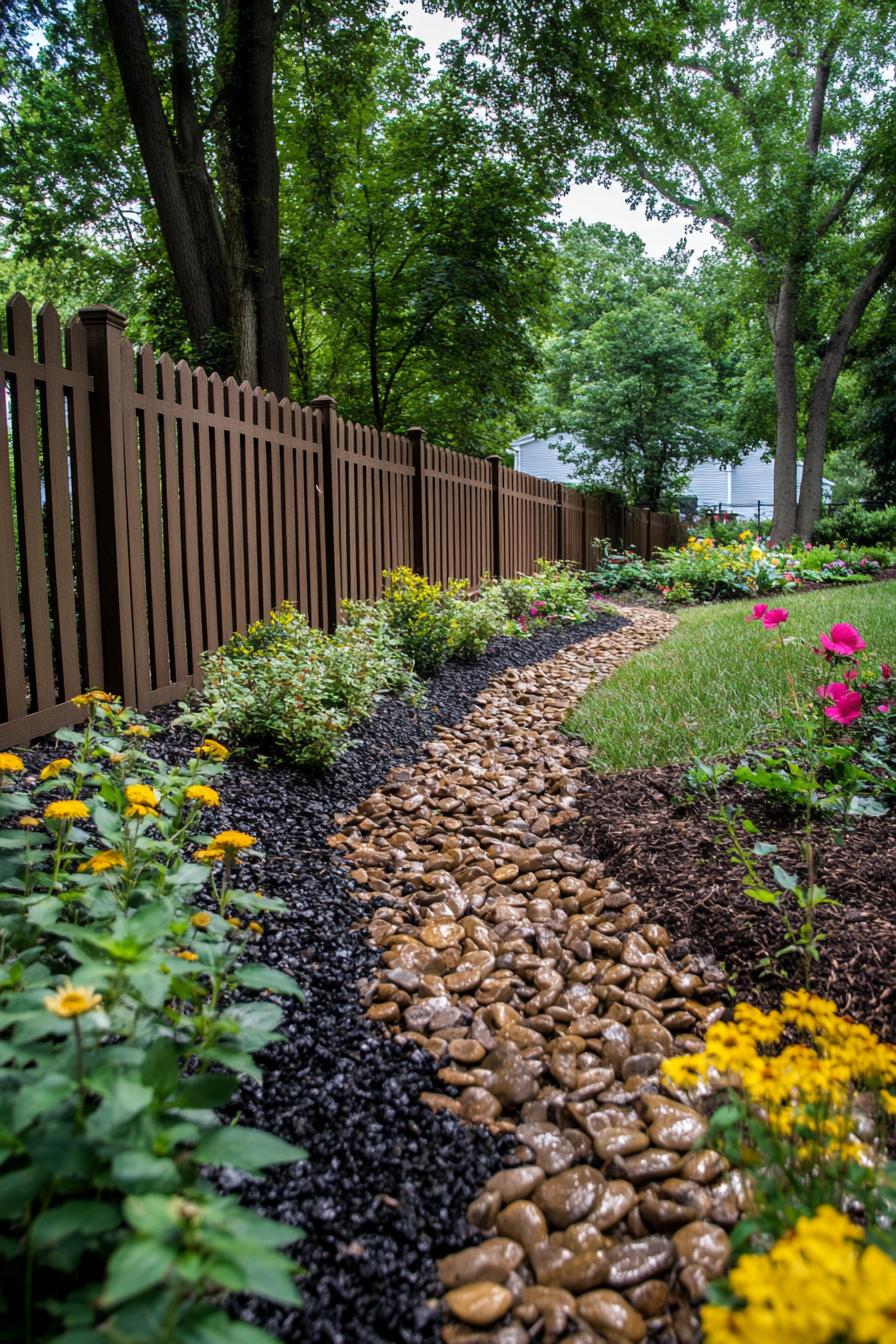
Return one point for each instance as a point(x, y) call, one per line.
point(550, 1000)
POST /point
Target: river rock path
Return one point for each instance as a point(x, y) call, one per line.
point(549, 1000)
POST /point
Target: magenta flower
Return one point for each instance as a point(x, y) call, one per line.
point(775, 617)
point(844, 641)
point(846, 708)
point(885, 671)
point(835, 690)
point(884, 709)
point(758, 611)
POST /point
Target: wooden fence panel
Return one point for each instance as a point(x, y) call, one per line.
point(49, 585)
point(453, 487)
point(205, 503)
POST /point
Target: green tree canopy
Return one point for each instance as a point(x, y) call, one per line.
point(642, 403)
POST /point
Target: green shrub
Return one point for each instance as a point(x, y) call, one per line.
point(858, 526)
point(287, 688)
point(610, 578)
point(122, 1034)
point(419, 614)
point(555, 592)
point(475, 622)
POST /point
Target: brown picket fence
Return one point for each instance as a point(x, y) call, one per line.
point(149, 510)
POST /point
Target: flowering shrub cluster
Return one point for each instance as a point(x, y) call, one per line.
point(288, 688)
point(556, 592)
point(122, 1035)
point(810, 1096)
point(707, 568)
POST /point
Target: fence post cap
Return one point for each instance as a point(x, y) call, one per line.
point(495, 457)
point(415, 432)
point(323, 402)
point(101, 314)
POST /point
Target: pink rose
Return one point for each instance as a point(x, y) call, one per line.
point(835, 690)
point(758, 611)
point(844, 641)
point(775, 617)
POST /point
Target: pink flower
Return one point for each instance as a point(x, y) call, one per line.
point(884, 709)
point(835, 690)
point(758, 611)
point(777, 616)
point(845, 708)
point(844, 641)
point(808, 546)
point(523, 624)
point(885, 671)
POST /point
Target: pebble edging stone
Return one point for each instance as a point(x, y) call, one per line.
point(549, 1001)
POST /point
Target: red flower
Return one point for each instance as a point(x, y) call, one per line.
point(845, 708)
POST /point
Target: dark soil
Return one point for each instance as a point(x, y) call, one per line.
point(387, 1180)
point(676, 861)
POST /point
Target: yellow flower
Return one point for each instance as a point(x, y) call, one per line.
point(745, 535)
point(237, 923)
point(201, 920)
point(888, 1102)
point(233, 841)
point(67, 809)
point(102, 861)
point(93, 698)
point(29, 822)
point(187, 956)
point(764, 1028)
point(255, 926)
point(142, 801)
point(216, 751)
point(137, 730)
point(72, 1000)
point(10, 763)
point(55, 768)
point(211, 854)
point(202, 794)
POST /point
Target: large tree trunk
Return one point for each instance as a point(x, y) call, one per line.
point(825, 383)
point(255, 168)
point(181, 191)
point(782, 323)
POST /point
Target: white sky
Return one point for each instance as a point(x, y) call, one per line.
point(590, 202)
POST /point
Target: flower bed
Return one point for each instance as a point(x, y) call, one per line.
point(708, 570)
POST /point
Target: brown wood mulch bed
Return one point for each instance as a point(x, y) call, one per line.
point(676, 862)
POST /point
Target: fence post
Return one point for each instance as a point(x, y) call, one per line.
point(417, 437)
point(103, 331)
point(561, 533)
point(648, 544)
point(497, 514)
point(329, 435)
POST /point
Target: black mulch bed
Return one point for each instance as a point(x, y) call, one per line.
point(384, 1190)
point(677, 864)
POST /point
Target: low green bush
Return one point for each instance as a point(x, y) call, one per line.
point(858, 526)
point(297, 692)
point(475, 622)
point(122, 1034)
point(555, 592)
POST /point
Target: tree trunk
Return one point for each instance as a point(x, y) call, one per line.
point(181, 191)
point(255, 170)
point(782, 323)
point(825, 383)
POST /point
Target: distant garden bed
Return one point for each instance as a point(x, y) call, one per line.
point(709, 569)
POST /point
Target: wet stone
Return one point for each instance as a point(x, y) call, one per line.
point(633, 1261)
point(609, 1312)
point(492, 1261)
point(479, 1303)
point(569, 1197)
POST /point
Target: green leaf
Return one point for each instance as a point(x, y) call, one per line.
point(40, 1097)
point(79, 1217)
point(161, 1068)
point(135, 1266)
point(205, 1091)
point(139, 1173)
point(786, 881)
point(246, 1149)
point(763, 894)
point(258, 976)
point(18, 1188)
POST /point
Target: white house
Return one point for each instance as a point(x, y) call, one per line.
point(741, 490)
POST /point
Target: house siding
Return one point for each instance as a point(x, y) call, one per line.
point(738, 489)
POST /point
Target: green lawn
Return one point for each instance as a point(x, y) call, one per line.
point(718, 682)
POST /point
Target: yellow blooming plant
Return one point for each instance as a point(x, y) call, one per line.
point(119, 1031)
point(806, 1113)
point(821, 1283)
